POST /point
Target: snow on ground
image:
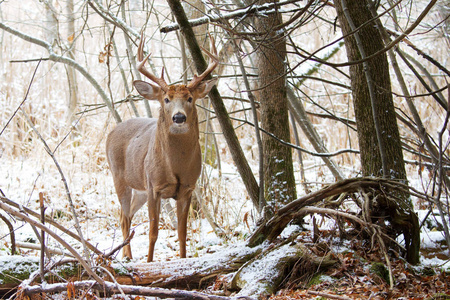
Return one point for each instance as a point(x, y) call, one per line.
point(98, 210)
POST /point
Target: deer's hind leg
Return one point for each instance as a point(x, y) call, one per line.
point(124, 193)
point(131, 201)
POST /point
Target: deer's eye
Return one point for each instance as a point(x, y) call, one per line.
point(190, 99)
point(166, 100)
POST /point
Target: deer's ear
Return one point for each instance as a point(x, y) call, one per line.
point(203, 88)
point(147, 90)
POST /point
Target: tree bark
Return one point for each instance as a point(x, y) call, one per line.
point(379, 69)
point(378, 104)
point(279, 181)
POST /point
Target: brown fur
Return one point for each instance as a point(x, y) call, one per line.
point(152, 159)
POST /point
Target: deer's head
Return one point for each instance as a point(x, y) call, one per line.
point(178, 112)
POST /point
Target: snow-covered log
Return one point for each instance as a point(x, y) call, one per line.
point(110, 288)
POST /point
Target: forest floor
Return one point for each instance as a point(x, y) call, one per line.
point(361, 274)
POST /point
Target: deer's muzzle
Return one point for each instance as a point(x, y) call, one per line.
point(179, 118)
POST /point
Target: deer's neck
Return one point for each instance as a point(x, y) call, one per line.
point(179, 147)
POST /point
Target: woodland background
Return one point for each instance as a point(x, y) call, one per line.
point(66, 73)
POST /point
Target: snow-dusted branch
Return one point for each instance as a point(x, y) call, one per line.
point(110, 17)
point(266, 8)
point(65, 60)
point(49, 221)
point(37, 247)
point(16, 213)
point(112, 288)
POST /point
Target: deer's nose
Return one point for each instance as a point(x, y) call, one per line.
point(179, 118)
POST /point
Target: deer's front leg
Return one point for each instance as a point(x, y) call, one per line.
point(154, 209)
point(183, 204)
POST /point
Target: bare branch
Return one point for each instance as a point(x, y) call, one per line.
point(249, 11)
point(65, 60)
point(74, 252)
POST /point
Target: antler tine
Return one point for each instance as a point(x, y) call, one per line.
point(214, 61)
point(141, 67)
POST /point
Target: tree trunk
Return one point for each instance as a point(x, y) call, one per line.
point(279, 181)
point(384, 111)
point(379, 69)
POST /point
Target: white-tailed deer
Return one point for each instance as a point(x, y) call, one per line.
point(159, 158)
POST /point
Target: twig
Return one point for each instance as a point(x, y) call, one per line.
point(42, 258)
point(326, 295)
point(299, 153)
point(11, 234)
point(110, 17)
point(427, 57)
point(299, 113)
point(436, 92)
point(122, 73)
point(24, 98)
point(386, 257)
point(375, 230)
point(436, 96)
point(298, 147)
point(117, 285)
point(441, 177)
point(123, 244)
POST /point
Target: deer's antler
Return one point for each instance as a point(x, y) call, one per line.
point(141, 68)
point(212, 65)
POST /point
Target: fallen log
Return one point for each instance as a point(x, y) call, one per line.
point(109, 289)
point(187, 273)
point(262, 276)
